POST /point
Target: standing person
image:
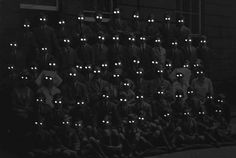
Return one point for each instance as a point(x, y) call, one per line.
point(135, 25)
point(180, 84)
point(151, 29)
point(117, 25)
point(159, 52)
point(46, 36)
point(16, 56)
point(177, 55)
point(62, 32)
point(202, 85)
point(190, 51)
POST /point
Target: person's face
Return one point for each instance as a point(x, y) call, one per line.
point(200, 74)
point(116, 13)
point(218, 112)
point(24, 80)
point(66, 42)
point(203, 42)
point(155, 63)
point(131, 123)
point(116, 78)
point(106, 122)
point(186, 66)
point(118, 64)
point(52, 66)
point(11, 71)
point(220, 101)
point(190, 93)
point(83, 40)
point(166, 116)
point(44, 50)
point(186, 114)
point(98, 18)
point(62, 23)
point(174, 44)
point(179, 97)
point(79, 67)
point(126, 85)
point(13, 45)
point(104, 67)
point(40, 100)
point(209, 98)
point(136, 62)
point(73, 75)
point(105, 97)
point(179, 76)
point(101, 39)
point(39, 124)
point(139, 98)
point(180, 21)
point(159, 72)
point(26, 26)
point(48, 81)
point(97, 73)
point(80, 103)
point(139, 74)
point(58, 103)
point(34, 69)
point(167, 19)
point(188, 41)
point(131, 40)
point(43, 20)
point(151, 20)
point(168, 66)
point(135, 16)
point(66, 124)
point(158, 42)
point(160, 94)
point(201, 114)
point(143, 40)
point(78, 125)
point(116, 39)
point(81, 18)
point(123, 100)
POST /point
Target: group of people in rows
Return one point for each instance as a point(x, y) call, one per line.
point(112, 89)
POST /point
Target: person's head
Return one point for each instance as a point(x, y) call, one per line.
point(52, 65)
point(62, 22)
point(168, 65)
point(158, 41)
point(143, 40)
point(218, 111)
point(116, 39)
point(101, 37)
point(78, 124)
point(179, 95)
point(39, 123)
point(139, 97)
point(209, 97)
point(40, 99)
point(13, 45)
point(26, 24)
point(83, 39)
point(79, 67)
point(136, 62)
point(11, 71)
point(180, 21)
point(186, 64)
point(24, 78)
point(188, 41)
point(66, 122)
point(166, 115)
point(139, 73)
point(97, 72)
point(58, 102)
point(135, 16)
point(201, 113)
point(160, 93)
point(98, 17)
point(104, 67)
point(44, 50)
point(126, 84)
point(81, 18)
point(116, 13)
point(186, 113)
point(118, 64)
point(167, 18)
point(220, 99)
point(155, 63)
point(43, 19)
point(81, 102)
point(72, 75)
point(190, 92)
point(116, 76)
point(151, 19)
point(105, 96)
point(200, 73)
point(123, 99)
point(179, 76)
point(174, 44)
point(106, 121)
point(66, 42)
point(203, 41)
point(132, 39)
point(47, 81)
point(131, 121)
point(33, 68)
point(160, 72)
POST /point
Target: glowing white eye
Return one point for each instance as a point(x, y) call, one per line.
point(137, 97)
point(190, 40)
point(203, 113)
point(40, 19)
point(50, 78)
point(133, 39)
point(165, 115)
point(176, 96)
point(74, 75)
point(26, 78)
point(197, 72)
point(50, 64)
point(121, 100)
point(129, 39)
point(107, 122)
point(103, 121)
point(44, 19)
point(46, 78)
point(35, 123)
point(141, 97)
point(67, 122)
point(41, 123)
point(185, 113)
point(54, 64)
point(219, 110)
point(113, 38)
point(63, 123)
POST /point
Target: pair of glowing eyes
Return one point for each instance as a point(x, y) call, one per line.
point(126, 84)
point(136, 16)
point(220, 101)
point(168, 65)
point(104, 65)
point(201, 72)
point(186, 113)
point(52, 64)
point(105, 96)
point(166, 115)
point(65, 122)
point(186, 66)
point(80, 18)
point(123, 100)
point(78, 124)
point(131, 121)
point(178, 96)
point(83, 39)
point(167, 18)
point(118, 64)
point(97, 71)
point(105, 122)
point(136, 61)
point(196, 65)
point(139, 72)
point(131, 39)
point(26, 25)
point(87, 67)
point(13, 44)
point(39, 100)
point(142, 38)
point(10, 67)
point(155, 62)
point(58, 102)
point(188, 40)
point(72, 74)
point(151, 20)
point(201, 113)
point(80, 103)
point(139, 97)
point(209, 97)
point(218, 111)
point(66, 40)
point(48, 78)
point(61, 22)
point(38, 123)
point(42, 19)
point(99, 17)
point(116, 12)
point(174, 43)
point(179, 75)
point(159, 71)
point(157, 40)
point(24, 77)
point(160, 92)
point(116, 76)
point(181, 21)
point(141, 118)
point(190, 92)
point(101, 38)
point(115, 38)
point(79, 67)
point(44, 49)
point(203, 41)
point(33, 68)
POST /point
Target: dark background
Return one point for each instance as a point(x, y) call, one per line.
point(218, 22)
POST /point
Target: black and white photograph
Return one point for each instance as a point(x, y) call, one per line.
point(117, 79)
